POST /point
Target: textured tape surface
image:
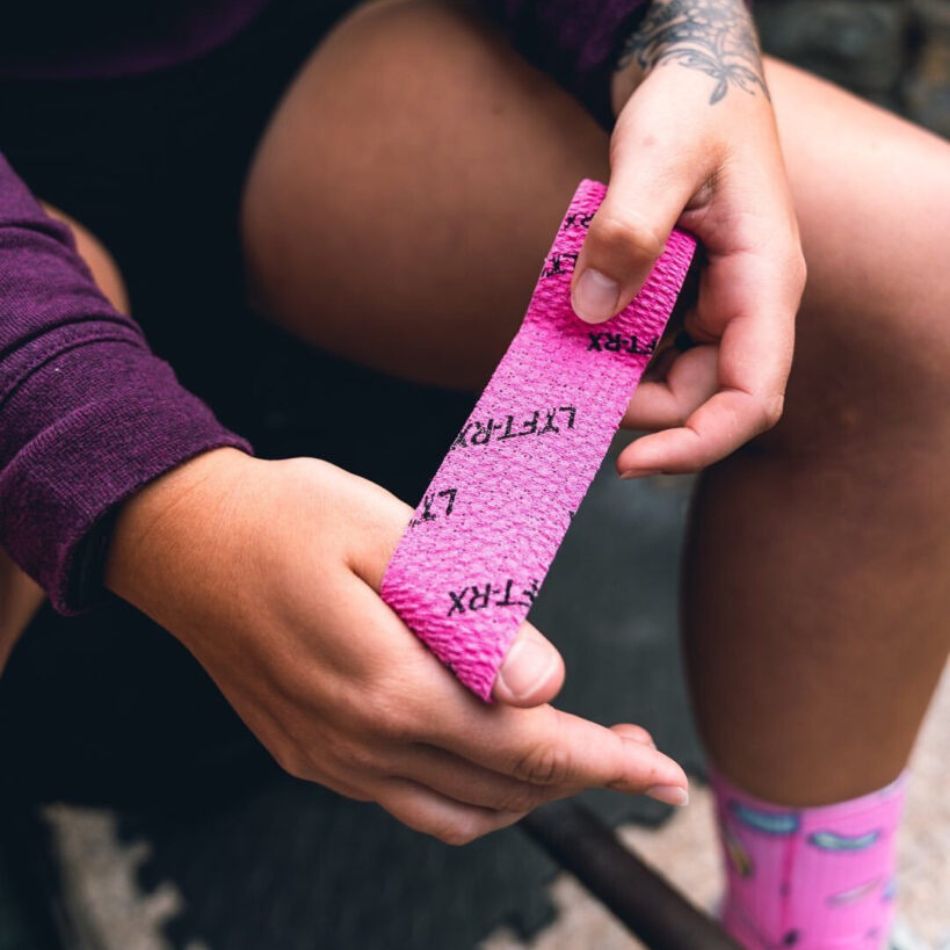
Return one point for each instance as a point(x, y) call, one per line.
point(481, 541)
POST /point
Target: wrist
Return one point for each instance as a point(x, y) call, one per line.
point(166, 514)
point(718, 40)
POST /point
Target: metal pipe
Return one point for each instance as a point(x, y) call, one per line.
point(646, 903)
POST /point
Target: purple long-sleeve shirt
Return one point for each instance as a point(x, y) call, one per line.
point(88, 415)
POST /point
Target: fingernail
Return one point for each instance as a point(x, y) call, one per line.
point(669, 795)
point(632, 473)
point(595, 296)
point(526, 667)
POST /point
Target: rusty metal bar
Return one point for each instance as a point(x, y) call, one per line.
point(647, 904)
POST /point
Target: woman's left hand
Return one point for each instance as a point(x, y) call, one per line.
point(696, 145)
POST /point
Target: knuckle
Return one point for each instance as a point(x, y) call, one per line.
point(385, 722)
point(397, 725)
point(772, 410)
point(799, 268)
point(522, 799)
point(545, 764)
point(296, 766)
point(358, 757)
point(385, 711)
point(622, 234)
point(457, 833)
point(352, 753)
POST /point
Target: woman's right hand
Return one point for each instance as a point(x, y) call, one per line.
point(268, 573)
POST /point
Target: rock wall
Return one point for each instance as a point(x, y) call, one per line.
point(895, 52)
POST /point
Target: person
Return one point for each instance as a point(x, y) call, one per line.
point(392, 201)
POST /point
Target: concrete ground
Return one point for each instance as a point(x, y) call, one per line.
point(684, 849)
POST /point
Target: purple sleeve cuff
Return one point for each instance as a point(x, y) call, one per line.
point(576, 42)
point(88, 415)
point(77, 470)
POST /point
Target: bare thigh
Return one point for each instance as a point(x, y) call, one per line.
point(409, 183)
point(407, 188)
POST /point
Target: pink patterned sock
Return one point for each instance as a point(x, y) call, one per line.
point(811, 878)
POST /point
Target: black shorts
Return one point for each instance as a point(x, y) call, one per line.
point(107, 707)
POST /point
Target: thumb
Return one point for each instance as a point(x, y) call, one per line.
point(532, 673)
point(627, 234)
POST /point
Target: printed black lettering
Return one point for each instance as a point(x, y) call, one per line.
point(483, 433)
point(549, 425)
point(480, 598)
point(460, 442)
point(450, 494)
point(457, 605)
point(559, 263)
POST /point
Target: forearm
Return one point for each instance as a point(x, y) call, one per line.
point(88, 415)
point(20, 598)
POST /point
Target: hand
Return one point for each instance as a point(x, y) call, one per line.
point(696, 144)
point(269, 571)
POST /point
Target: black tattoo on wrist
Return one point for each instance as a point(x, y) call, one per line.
point(716, 37)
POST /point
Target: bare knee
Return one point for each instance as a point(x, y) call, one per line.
point(100, 262)
point(867, 395)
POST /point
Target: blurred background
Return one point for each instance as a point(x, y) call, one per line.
point(285, 866)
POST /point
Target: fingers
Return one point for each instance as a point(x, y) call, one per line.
point(715, 430)
point(753, 309)
point(425, 810)
point(539, 745)
point(464, 782)
point(649, 188)
point(545, 746)
point(422, 703)
point(470, 784)
point(690, 380)
point(532, 672)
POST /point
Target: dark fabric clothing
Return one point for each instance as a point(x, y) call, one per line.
point(53, 39)
point(106, 706)
point(577, 43)
point(88, 415)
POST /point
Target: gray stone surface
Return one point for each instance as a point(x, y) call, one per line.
point(926, 86)
point(861, 43)
point(895, 52)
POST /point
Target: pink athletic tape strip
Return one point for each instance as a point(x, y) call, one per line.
point(474, 555)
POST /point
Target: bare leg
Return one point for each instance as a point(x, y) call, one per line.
point(407, 189)
point(816, 604)
point(397, 212)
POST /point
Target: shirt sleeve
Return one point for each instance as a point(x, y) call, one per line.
point(88, 414)
point(576, 41)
